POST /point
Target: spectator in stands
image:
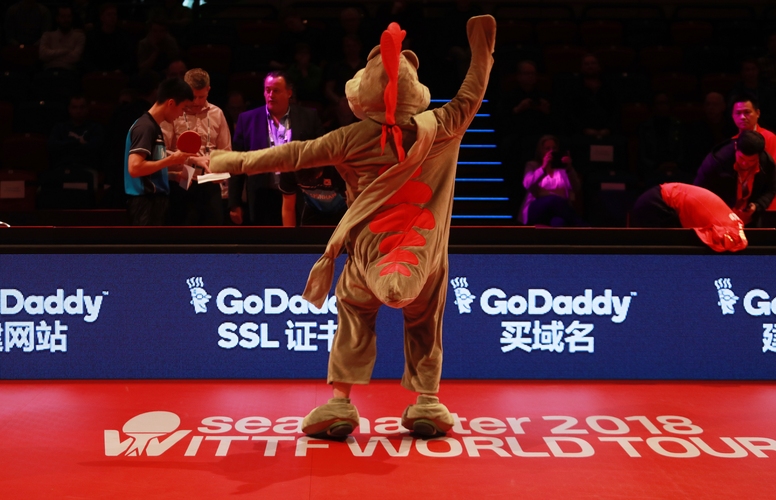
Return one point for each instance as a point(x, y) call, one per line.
point(200, 204)
point(307, 77)
point(715, 127)
point(322, 193)
point(176, 69)
point(76, 142)
point(524, 110)
point(409, 15)
point(235, 104)
point(296, 31)
point(592, 102)
point(551, 185)
point(741, 173)
point(351, 23)
point(158, 49)
point(746, 116)
point(145, 174)
point(273, 124)
point(767, 63)
point(339, 72)
point(173, 14)
point(85, 14)
point(338, 115)
point(25, 22)
point(452, 31)
point(763, 92)
point(661, 146)
point(107, 48)
point(591, 110)
point(62, 48)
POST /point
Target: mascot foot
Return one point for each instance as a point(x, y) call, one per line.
point(428, 417)
point(335, 419)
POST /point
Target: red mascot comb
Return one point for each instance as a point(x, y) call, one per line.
point(390, 49)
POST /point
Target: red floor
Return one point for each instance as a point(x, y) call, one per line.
point(239, 439)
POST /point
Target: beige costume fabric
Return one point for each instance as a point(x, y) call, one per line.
point(398, 221)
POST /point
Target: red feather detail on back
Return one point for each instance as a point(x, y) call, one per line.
point(399, 255)
point(411, 192)
point(410, 239)
point(403, 219)
point(395, 268)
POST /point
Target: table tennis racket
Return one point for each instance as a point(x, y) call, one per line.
point(189, 142)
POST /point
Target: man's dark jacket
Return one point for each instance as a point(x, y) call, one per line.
point(251, 133)
point(717, 174)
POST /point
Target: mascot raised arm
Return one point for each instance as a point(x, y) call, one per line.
point(399, 165)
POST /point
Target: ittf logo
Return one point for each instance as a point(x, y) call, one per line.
point(144, 432)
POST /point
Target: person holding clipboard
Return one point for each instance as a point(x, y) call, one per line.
point(194, 202)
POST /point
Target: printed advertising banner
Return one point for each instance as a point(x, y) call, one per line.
point(507, 317)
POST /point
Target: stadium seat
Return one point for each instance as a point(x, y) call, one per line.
point(24, 152)
point(718, 82)
point(250, 84)
point(211, 58)
point(15, 86)
point(556, 32)
point(38, 117)
point(661, 58)
point(17, 190)
point(632, 115)
point(6, 119)
point(20, 57)
point(600, 33)
point(680, 86)
point(691, 32)
point(514, 31)
point(55, 85)
point(258, 32)
point(616, 58)
point(104, 86)
point(563, 58)
point(66, 188)
point(688, 112)
point(101, 112)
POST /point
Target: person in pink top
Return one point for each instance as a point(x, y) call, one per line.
point(551, 185)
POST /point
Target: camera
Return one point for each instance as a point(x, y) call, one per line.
point(556, 160)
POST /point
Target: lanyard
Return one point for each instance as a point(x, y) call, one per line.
point(271, 126)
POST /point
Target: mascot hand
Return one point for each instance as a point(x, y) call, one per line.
point(482, 26)
point(226, 161)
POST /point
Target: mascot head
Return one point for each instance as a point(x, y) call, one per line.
point(387, 90)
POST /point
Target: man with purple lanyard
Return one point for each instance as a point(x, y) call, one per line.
point(267, 126)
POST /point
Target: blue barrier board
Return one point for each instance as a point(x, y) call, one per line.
point(106, 316)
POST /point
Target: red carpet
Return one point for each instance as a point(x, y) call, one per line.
point(239, 439)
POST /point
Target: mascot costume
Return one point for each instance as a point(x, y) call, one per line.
point(399, 165)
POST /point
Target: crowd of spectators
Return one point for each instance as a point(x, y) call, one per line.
point(629, 103)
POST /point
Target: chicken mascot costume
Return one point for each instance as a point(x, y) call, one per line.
point(399, 165)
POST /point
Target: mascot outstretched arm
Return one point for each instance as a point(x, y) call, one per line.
point(399, 165)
